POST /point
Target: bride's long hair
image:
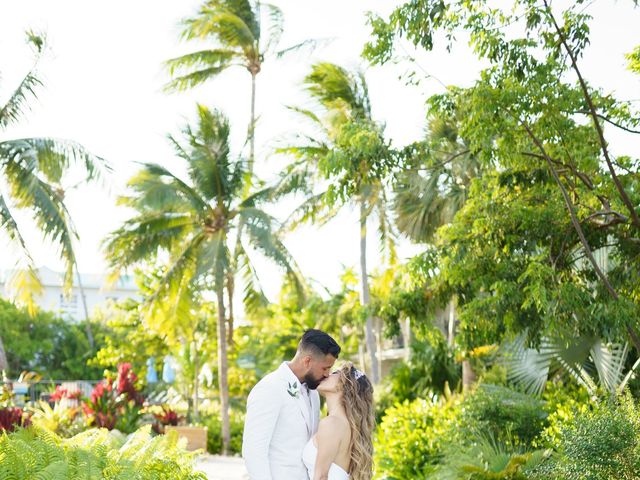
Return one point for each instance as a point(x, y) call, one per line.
point(357, 400)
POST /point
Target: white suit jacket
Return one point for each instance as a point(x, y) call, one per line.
point(278, 426)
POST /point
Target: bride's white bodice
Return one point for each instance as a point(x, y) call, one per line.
point(309, 455)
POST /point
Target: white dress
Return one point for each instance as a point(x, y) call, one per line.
point(309, 455)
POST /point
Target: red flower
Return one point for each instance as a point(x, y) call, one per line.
point(59, 394)
point(13, 417)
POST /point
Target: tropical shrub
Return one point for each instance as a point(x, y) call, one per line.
point(47, 344)
point(214, 429)
point(163, 417)
point(412, 436)
point(599, 444)
point(12, 418)
point(60, 418)
point(95, 455)
point(486, 459)
point(116, 402)
point(504, 414)
point(432, 369)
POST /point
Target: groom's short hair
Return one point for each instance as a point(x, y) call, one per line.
point(318, 342)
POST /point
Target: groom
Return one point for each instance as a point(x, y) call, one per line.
point(283, 411)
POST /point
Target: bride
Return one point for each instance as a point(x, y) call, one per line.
point(342, 449)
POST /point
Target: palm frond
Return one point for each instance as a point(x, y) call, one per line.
point(254, 298)
point(173, 291)
point(195, 68)
point(13, 109)
point(143, 236)
point(334, 87)
point(53, 158)
point(9, 225)
point(307, 46)
point(313, 209)
point(141, 182)
point(609, 362)
point(224, 26)
point(49, 211)
point(24, 287)
point(260, 228)
point(306, 113)
point(276, 26)
point(529, 368)
point(193, 79)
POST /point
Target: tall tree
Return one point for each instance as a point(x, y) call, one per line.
point(534, 114)
point(237, 30)
point(193, 223)
point(350, 161)
point(31, 172)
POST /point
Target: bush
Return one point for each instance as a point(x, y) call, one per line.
point(95, 454)
point(432, 367)
point(504, 415)
point(411, 438)
point(214, 432)
point(600, 444)
point(116, 402)
point(486, 459)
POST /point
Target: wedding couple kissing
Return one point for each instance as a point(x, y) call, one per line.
point(284, 437)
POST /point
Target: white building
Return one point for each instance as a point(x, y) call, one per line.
point(71, 306)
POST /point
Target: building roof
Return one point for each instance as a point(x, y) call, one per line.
point(98, 281)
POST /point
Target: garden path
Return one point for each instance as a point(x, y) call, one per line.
point(222, 468)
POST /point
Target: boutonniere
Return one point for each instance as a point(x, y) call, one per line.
point(293, 390)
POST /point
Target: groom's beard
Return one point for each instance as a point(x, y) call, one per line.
point(311, 382)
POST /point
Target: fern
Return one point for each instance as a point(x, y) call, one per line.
point(39, 454)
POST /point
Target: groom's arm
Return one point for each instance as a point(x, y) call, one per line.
point(263, 409)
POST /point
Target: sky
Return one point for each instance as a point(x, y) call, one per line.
point(103, 80)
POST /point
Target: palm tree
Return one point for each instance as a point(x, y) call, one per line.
point(31, 175)
point(429, 191)
point(192, 223)
point(237, 29)
point(349, 162)
point(434, 183)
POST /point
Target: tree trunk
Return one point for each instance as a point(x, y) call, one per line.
point(451, 327)
point(406, 339)
point(252, 125)
point(366, 296)
point(4, 363)
point(469, 377)
point(361, 356)
point(196, 383)
point(87, 324)
point(230, 318)
point(379, 346)
point(223, 383)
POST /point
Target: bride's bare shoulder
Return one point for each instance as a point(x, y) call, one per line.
point(334, 424)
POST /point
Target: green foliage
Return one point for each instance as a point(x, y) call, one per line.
point(214, 426)
point(504, 415)
point(274, 332)
point(411, 438)
point(61, 419)
point(518, 255)
point(599, 444)
point(33, 171)
point(487, 459)
point(431, 370)
point(634, 60)
point(44, 343)
point(130, 339)
point(36, 453)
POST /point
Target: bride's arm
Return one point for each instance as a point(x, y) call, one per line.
point(330, 432)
